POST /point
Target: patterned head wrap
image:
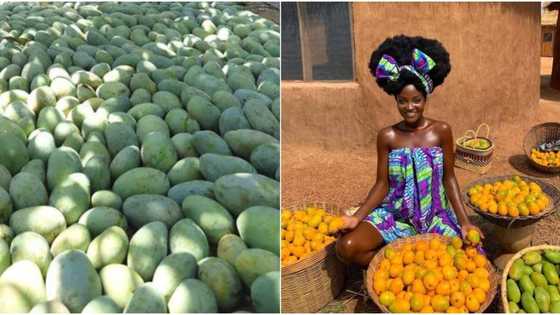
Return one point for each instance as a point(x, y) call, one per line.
point(421, 65)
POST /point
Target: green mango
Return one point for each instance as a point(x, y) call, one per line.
point(527, 270)
point(532, 258)
point(539, 279)
point(526, 284)
point(553, 256)
point(537, 267)
point(550, 273)
point(555, 307)
point(554, 293)
point(513, 292)
point(513, 307)
point(543, 299)
point(529, 304)
point(516, 270)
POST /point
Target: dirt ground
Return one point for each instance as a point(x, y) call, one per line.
point(343, 175)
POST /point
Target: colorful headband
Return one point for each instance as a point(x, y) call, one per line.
point(421, 65)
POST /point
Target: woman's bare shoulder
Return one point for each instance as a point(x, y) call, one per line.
point(441, 127)
point(386, 134)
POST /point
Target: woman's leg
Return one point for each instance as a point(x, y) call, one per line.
point(359, 245)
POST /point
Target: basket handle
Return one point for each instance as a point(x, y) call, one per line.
point(487, 130)
point(466, 136)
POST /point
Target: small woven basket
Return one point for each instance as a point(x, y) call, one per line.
point(312, 282)
point(471, 159)
point(506, 221)
point(374, 265)
point(503, 289)
point(539, 134)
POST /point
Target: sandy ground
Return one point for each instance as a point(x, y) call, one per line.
point(315, 174)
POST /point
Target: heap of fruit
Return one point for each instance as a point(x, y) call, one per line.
point(512, 197)
point(550, 159)
point(306, 231)
point(533, 283)
point(477, 144)
point(433, 276)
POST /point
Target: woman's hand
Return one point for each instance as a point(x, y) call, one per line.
point(350, 222)
point(469, 226)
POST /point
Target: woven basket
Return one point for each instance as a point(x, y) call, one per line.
point(503, 290)
point(542, 133)
point(374, 264)
point(314, 281)
point(475, 160)
point(506, 221)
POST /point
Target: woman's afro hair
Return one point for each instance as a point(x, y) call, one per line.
point(400, 47)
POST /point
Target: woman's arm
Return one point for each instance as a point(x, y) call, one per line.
point(450, 181)
point(381, 186)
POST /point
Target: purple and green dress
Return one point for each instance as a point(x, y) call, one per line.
point(416, 202)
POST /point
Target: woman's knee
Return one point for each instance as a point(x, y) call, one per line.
point(346, 249)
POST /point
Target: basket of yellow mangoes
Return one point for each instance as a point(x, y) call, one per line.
point(312, 276)
point(431, 273)
point(542, 147)
point(507, 199)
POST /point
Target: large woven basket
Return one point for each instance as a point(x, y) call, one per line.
point(506, 221)
point(374, 264)
point(314, 281)
point(476, 160)
point(539, 134)
point(503, 290)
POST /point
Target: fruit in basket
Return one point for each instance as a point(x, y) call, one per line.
point(511, 197)
point(532, 258)
point(549, 271)
point(477, 143)
point(473, 237)
point(529, 303)
point(436, 279)
point(543, 299)
point(555, 307)
point(553, 256)
point(532, 284)
point(544, 158)
point(513, 291)
point(305, 231)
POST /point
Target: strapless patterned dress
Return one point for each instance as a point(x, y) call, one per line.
point(416, 202)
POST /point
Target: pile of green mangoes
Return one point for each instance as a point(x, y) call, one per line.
point(533, 283)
